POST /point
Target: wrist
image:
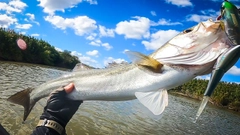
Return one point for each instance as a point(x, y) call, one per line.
point(54, 117)
point(53, 125)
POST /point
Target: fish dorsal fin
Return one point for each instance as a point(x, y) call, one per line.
point(81, 67)
point(155, 101)
point(145, 61)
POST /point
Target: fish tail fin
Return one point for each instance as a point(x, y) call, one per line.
point(23, 98)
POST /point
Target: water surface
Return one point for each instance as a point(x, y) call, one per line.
point(113, 118)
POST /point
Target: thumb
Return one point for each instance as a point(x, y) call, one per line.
point(69, 88)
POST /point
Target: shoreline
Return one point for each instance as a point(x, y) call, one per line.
point(232, 108)
point(35, 64)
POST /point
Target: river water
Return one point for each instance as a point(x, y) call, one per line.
point(109, 118)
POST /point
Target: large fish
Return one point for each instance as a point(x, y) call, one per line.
point(191, 53)
point(231, 18)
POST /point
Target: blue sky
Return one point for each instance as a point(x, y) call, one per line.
point(99, 31)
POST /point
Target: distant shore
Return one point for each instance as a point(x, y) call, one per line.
point(24, 63)
point(233, 108)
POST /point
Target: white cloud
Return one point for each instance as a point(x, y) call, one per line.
point(164, 22)
point(107, 46)
point(92, 36)
point(8, 8)
point(13, 6)
point(58, 49)
point(81, 24)
point(96, 42)
point(23, 32)
point(197, 18)
point(23, 26)
point(31, 18)
point(84, 59)
point(205, 15)
point(35, 35)
point(234, 70)
point(204, 77)
point(6, 21)
point(181, 3)
point(208, 11)
point(104, 32)
point(17, 4)
point(153, 13)
point(50, 6)
point(88, 60)
point(93, 53)
point(94, 2)
point(75, 53)
point(125, 50)
point(111, 59)
point(135, 29)
point(159, 38)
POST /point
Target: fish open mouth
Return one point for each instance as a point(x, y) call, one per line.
point(230, 24)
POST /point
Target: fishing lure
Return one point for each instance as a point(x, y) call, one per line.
point(231, 19)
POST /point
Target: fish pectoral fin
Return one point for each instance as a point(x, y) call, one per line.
point(145, 61)
point(154, 101)
point(23, 98)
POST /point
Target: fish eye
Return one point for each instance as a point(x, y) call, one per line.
point(187, 30)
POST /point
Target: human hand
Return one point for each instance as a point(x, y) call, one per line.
point(59, 108)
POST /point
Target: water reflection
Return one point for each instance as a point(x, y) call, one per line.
point(115, 118)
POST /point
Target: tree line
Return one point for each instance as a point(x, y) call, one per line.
point(226, 94)
point(38, 51)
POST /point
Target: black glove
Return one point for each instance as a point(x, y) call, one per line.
point(59, 108)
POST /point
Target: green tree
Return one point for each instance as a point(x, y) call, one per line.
point(38, 51)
